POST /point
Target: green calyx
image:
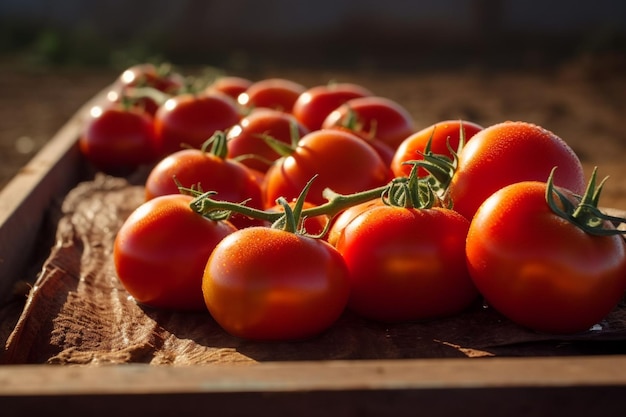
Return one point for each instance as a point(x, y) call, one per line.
point(586, 215)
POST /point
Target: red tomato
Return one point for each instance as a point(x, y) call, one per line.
point(342, 161)
point(378, 117)
point(161, 250)
point(117, 140)
point(345, 217)
point(162, 78)
point(316, 103)
point(441, 135)
point(231, 180)
point(230, 85)
point(540, 270)
point(189, 119)
point(246, 138)
point(274, 93)
point(511, 152)
point(268, 284)
point(407, 264)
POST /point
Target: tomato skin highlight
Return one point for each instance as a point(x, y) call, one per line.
point(269, 284)
point(511, 152)
point(538, 269)
point(161, 250)
point(274, 93)
point(407, 264)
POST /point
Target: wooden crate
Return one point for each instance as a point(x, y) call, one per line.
point(511, 386)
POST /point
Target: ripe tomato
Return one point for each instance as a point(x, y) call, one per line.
point(345, 217)
point(161, 78)
point(246, 138)
point(378, 117)
point(161, 250)
point(273, 93)
point(540, 270)
point(118, 140)
point(230, 85)
point(313, 226)
point(406, 263)
point(191, 119)
point(269, 284)
point(231, 180)
point(441, 135)
point(316, 103)
point(511, 152)
point(342, 161)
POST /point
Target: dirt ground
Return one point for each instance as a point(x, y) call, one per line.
point(583, 101)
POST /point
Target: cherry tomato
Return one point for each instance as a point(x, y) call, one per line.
point(230, 85)
point(269, 284)
point(191, 119)
point(511, 152)
point(231, 180)
point(118, 140)
point(378, 117)
point(274, 93)
point(440, 135)
point(316, 103)
point(540, 270)
point(407, 264)
point(342, 161)
point(246, 138)
point(161, 250)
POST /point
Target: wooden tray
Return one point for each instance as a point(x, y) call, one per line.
point(569, 385)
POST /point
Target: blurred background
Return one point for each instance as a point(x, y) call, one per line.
point(560, 64)
point(240, 34)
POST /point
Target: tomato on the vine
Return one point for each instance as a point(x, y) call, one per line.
point(274, 93)
point(117, 140)
point(246, 143)
point(378, 117)
point(161, 250)
point(406, 264)
point(316, 103)
point(341, 161)
point(510, 152)
point(542, 270)
point(441, 137)
point(191, 119)
point(201, 169)
point(262, 283)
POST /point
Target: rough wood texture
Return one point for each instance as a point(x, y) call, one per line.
point(79, 313)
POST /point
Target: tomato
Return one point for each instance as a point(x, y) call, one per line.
point(118, 140)
point(316, 103)
point(269, 284)
point(231, 180)
point(246, 138)
point(342, 161)
point(274, 93)
point(161, 250)
point(511, 152)
point(161, 78)
point(407, 264)
point(191, 119)
point(230, 85)
point(345, 217)
point(378, 117)
point(540, 270)
point(440, 135)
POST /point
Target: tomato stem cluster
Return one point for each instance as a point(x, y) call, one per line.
point(586, 215)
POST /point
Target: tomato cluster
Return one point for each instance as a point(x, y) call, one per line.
point(277, 206)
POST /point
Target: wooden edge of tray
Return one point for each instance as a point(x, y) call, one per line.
point(576, 386)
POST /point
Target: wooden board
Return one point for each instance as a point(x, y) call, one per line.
point(573, 385)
